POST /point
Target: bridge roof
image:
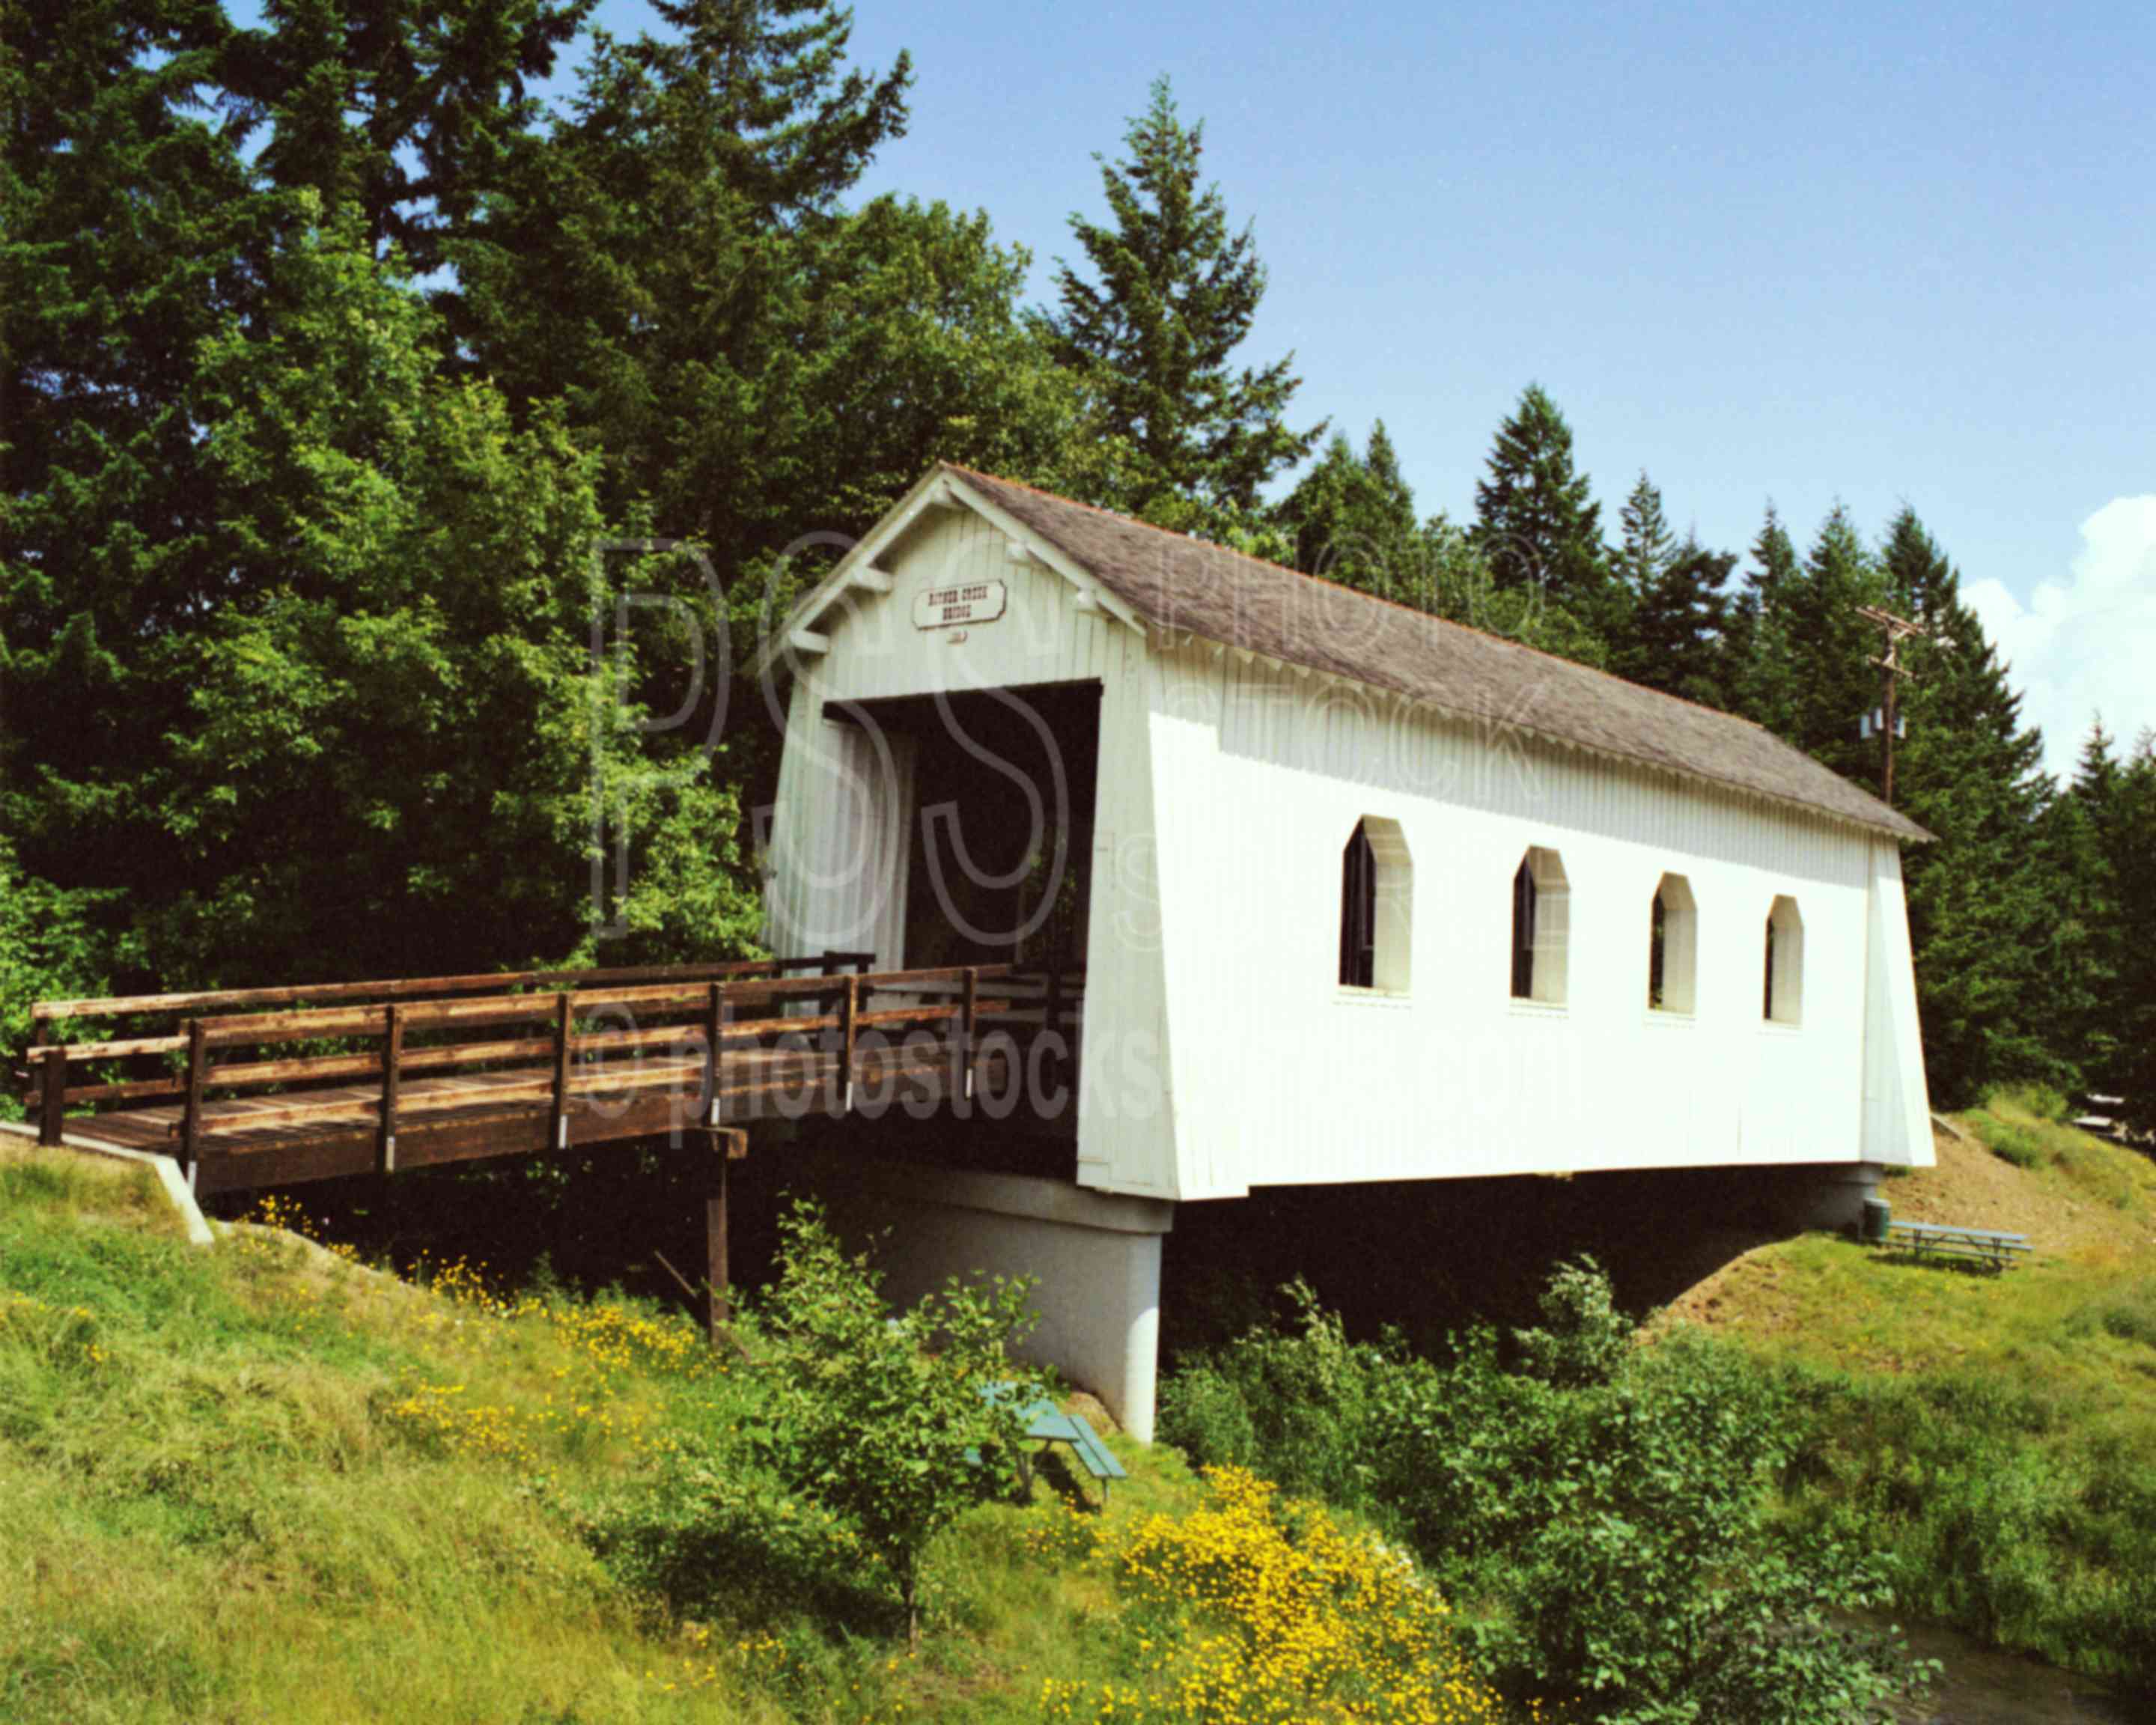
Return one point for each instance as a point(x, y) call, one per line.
point(1174, 582)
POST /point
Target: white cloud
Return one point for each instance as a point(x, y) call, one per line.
point(2086, 644)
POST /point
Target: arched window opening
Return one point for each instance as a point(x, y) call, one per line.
point(1377, 907)
point(1672, 946)
point(1541, 922)
point(1784, 1001)
point(1359, 911)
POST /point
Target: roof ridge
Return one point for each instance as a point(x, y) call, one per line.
point(1414, 611)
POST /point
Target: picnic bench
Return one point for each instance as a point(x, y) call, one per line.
point(1987, 1246)
point(1048, 1425)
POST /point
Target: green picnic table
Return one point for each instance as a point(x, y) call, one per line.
point(1990, 1247)
point(1048, 1425)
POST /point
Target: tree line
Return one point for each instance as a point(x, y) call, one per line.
point(343, 383)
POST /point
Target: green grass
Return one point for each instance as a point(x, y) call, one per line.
point(1996, 1432)
point(256, 1482)
point(2025, 1129)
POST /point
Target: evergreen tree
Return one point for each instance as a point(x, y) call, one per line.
point(751, 361)
point(1678, 622)
point(403, 111)
point(2086, 963)
point(2132, 845)
point(1983, 910)
point(1823, 648)
point(1172, 296)
point(130, 233)
point(1535, 521)
point(791, 124)
point(1648, 546)
point(1351, 519)
point(1761, 684)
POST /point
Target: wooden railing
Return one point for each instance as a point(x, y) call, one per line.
point(530, 1041)
point(50, 1095)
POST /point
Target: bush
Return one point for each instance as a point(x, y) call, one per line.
point(1586, 1338)
point(2016, 1144)
point(716, 1536)
point(896, 1424)
point(1605, 1512)
point(1296, 1403)
point(1251, 1608)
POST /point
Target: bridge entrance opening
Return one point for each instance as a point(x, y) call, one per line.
point(1000, 817)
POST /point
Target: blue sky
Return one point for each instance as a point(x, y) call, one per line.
point(1810, 252)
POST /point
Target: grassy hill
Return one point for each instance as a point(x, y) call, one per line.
point(264, 1481)
point(1999, 1433)
point(260, 1482)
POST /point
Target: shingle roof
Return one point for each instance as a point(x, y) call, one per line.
point(1177, 583)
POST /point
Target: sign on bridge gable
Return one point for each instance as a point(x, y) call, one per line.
point(955, 606)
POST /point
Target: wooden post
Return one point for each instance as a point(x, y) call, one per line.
point(718, 1309)
point(392, 1078)
point(565, 1018)
point(715, 1032)
point(848, 1010)
point(968, 1015)
point(192, 1119)
point(52, 1097)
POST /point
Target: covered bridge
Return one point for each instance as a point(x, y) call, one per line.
point(1331, 890)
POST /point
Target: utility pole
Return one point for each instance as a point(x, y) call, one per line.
point(1885, 718)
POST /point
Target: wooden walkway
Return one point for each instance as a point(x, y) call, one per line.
point(377, 1077)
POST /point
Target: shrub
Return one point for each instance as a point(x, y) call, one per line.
point(715, 1536)
point(1295, 1402)
point(1607, 1511)
point(888, 1421)
point(2016, 1144)
point(1586, 1338)
point(1253, 1609)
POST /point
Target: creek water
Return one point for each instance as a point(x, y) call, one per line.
point(1984, 1686)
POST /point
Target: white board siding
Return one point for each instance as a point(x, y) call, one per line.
point(844, 808)
point(1281, 1077)
point(1897, 1107)
point(1220, 1052)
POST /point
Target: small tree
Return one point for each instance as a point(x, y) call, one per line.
point(1585, 1338)
point(885, 1420)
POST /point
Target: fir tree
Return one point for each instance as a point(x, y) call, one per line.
point(2132, 848)
point(1983, 903)
point(1152, 328)
point(654, 260)
point(1677, 626)
point(1759, 676)
point(790, 124)
point(1353, 519)
point(2079, 831)
point(1810, 623)
point(130, 236)
point(403, 111)
point(1648, 546)
point(1535, 520)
